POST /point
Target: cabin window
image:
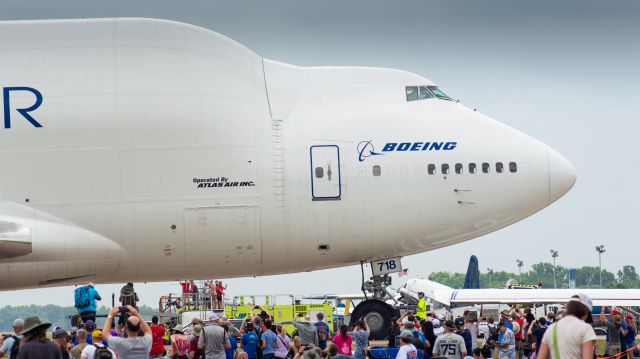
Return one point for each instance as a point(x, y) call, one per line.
point(377, 170)
point(319, 172)
point(459, 168)
point(431, 169)
point(472, 168)
point(513, 167)
point(445, 169)
point(499, 167)
point(412, 93)
point(485, 167)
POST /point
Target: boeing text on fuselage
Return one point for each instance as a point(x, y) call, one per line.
point(366, 148)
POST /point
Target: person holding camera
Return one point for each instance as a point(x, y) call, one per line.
point(133, 346)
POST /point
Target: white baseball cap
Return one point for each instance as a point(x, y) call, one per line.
point(214, 316)
point(19, 323)
point(584, 299)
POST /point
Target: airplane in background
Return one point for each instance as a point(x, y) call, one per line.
point(150, 150)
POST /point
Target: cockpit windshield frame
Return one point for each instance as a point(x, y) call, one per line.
point(422, 92)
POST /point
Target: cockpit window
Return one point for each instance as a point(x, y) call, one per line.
point(412, 93)
point(424, 93)
point(438, 93)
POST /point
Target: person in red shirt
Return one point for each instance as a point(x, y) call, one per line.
point(194, 352)
point(186, 291)
point(517, 331)
point(157, 343)
point(220, 294)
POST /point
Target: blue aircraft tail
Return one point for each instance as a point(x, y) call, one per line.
point(472, 279)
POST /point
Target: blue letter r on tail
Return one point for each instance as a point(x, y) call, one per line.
point(23, 111)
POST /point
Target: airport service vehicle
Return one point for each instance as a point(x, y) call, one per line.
point(181, 309)
point(151, 150)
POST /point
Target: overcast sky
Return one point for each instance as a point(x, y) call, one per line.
point(565, 72)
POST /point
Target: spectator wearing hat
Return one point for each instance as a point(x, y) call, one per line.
point(571, 337)
point(61, 338)
point(81, 337)
point(89, 326)
point(194, 352)
point(213, 339)
point(307, 332)
point(89, 351)
point(133, 346)
point(179, 343)
point(464, 333)
point(34, 343)
point(629, 332)
point(8, 343)
point(407, 348)
point(449, 344)
point(419, 340)
point(157, 341)
point(249, 341)
point(128, 296)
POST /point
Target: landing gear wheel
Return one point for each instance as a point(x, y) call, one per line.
point(378, 314)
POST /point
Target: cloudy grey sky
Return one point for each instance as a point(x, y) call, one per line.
point(565, 72)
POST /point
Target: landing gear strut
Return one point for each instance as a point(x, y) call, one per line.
point(377, 312)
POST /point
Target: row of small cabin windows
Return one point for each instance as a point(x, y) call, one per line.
point(459, 168)
point(473, 168)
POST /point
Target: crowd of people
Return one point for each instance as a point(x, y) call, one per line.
point(568, 334)
point(518, 334)
point(213, 289)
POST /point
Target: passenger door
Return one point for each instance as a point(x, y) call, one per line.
point(325, 173)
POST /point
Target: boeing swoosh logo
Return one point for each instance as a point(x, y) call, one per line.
point(365, 150)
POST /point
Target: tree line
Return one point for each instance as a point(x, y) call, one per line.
point(54, 314)
point(585, 277)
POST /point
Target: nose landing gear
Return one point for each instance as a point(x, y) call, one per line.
point(375, 309)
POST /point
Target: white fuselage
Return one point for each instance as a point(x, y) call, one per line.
point(166, 151)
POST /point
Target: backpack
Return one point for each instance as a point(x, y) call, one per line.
point(82, 297)
point(493, 332)
point(323, 333)
point(102, 353)
point(15, 348)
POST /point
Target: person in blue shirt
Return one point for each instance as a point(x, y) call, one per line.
point(269, 341)
point(249, 341)
point(88, 312)
point(229, 352)
point(323, 331)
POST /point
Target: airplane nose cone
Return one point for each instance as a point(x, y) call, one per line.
point(562, 175)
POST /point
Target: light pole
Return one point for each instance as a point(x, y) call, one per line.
point(490, 271)
point(520, 264)
point(554, 255)
point(600, 249)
